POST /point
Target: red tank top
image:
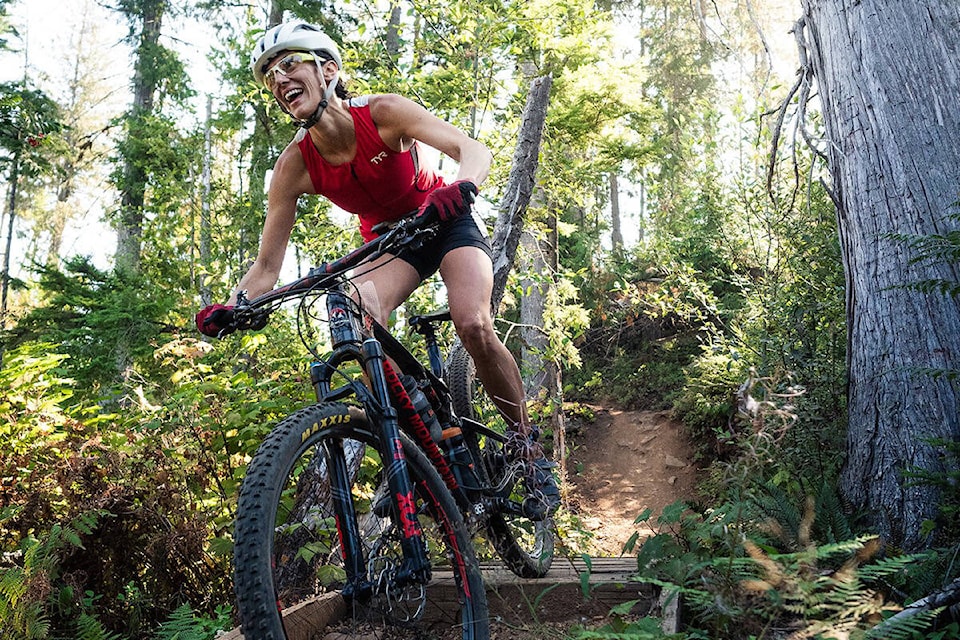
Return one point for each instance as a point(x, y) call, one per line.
point(379, 184)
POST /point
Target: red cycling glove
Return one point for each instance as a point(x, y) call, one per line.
point(212, 319)
point(450, 201)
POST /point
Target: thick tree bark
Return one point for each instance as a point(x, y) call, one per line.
point(516, 197)
point(889, 76)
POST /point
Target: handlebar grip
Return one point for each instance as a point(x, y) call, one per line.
point(424, 218)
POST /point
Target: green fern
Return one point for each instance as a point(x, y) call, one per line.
point(886, 568)
point(182, 625)
point(831, 523)
point(89, 628)
point(938, 569)
point(23, 611)
point(833, 589)
point(910, 628)
point(772, 505)
point(20, 617)
point(642, 629)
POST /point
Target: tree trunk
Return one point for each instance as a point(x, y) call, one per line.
point(134, 187)
point(889, 76)
point(532, 339)
point(516, 197)
point(642, 206)
point(84, 125)
point(12, 216)
point(616, 235)
point(392, 38)
point(262, 158)
point(206, 232)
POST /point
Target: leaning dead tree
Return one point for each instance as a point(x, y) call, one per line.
point(516, 197)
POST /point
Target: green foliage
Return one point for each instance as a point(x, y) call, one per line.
point(728, 284)
point(184, 624)
point(29, 582)
point(27, 117)
point(32, 407)
point(5, 28)
point(90, 628)
point(87, 312)
point(162, 475)
point(653, 323)
point(707, 400)
point(727, 567)
point(620, 629)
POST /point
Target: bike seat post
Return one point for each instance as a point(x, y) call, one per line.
point(433, 352)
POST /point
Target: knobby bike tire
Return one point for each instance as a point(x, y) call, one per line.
point(285, 540)
point(525, 546)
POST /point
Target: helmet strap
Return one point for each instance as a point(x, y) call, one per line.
point(324, 102)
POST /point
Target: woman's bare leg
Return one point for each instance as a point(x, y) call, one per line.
point(468, 276)
point(384, 285)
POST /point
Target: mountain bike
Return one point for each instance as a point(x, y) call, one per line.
point(389, 475)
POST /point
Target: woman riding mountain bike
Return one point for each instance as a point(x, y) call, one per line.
point(390, 475)
point(363, 154)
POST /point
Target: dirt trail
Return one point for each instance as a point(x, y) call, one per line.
point(623, 463)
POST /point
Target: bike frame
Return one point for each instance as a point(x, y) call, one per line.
point(382, 396)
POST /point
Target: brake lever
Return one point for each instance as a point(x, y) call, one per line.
point(412, 233)
point(245, 316)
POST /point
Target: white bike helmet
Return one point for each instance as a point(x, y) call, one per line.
point(291, 36)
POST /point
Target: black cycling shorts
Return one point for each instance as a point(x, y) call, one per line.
point(459, 232)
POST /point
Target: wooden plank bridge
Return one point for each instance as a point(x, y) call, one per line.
point(512, 599)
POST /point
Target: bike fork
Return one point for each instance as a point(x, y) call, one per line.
point(416, 566)
point(346, 338)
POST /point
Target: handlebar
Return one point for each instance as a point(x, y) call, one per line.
point(407, 232)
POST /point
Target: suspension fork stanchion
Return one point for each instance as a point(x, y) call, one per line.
point(321, 373)
point(358, 586)
point(345, 338)
point(416, 566)
point(345, 335)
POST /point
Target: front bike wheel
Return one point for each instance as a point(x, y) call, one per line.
point(286, 541)
point(525, 546)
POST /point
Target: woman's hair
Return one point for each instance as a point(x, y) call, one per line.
point(341, 89)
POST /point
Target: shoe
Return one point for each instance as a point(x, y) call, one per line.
point(544, 495)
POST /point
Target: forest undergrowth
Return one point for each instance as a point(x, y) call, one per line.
point(116, 523)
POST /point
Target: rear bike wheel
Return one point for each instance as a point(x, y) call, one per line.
point(286, 548)
point(525, 546)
